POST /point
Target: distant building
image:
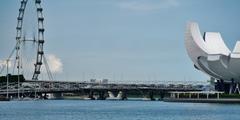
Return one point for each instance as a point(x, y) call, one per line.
point(103, 81)
point(93, 80)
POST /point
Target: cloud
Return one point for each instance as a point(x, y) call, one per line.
point(54, 63)
point(147, 5)
point(3, 63)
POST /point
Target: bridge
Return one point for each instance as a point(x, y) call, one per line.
point(34, 87)
point(39, 89)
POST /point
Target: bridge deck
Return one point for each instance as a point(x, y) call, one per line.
point(64, 86)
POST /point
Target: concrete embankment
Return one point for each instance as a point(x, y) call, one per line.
point(222, 100)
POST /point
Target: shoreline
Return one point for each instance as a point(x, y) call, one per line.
point(211, 100)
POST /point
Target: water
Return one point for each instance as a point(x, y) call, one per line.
point(115, 110)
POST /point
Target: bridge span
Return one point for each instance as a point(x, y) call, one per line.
point(101, 90)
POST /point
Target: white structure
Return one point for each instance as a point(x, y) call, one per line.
point(112, 97)
point(210, 54)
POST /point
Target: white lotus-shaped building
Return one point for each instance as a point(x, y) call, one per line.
point(210, 54)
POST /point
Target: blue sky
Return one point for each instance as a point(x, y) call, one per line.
point(124, 40)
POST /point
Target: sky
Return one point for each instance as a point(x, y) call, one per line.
point(123, 40)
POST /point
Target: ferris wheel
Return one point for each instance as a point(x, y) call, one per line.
point(29, 51)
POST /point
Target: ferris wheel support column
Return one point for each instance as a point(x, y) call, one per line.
point(18, 84)
point(7, 79)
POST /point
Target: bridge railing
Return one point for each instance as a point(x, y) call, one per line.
point(47, 86)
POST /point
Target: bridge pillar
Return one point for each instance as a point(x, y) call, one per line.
point(124, 95)
point(58, 95)
point(90, 95)
point(102, 95)
point(44, 96)
point(111, 95)
point(162, 95)
point(120, 95)
point(151, 95)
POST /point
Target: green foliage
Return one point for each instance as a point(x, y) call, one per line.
point(12, 78)
point(225, 95)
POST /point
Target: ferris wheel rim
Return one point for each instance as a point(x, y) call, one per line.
point(40, 36)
